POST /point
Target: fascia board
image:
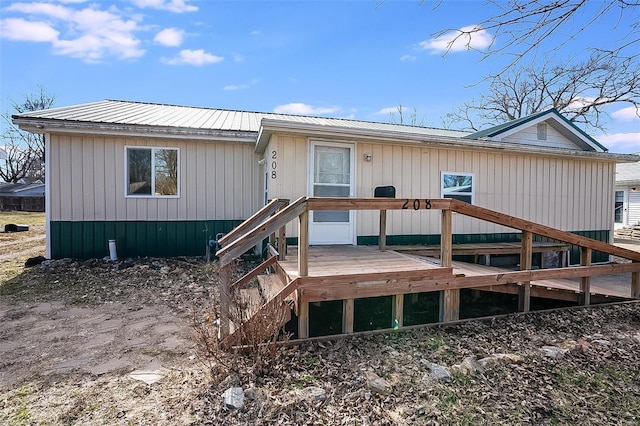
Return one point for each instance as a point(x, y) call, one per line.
point(53, 127)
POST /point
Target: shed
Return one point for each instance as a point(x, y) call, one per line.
point(22, 196)
point(627, 195)
point(165, 180)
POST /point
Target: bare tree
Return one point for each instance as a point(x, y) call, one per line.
point(581, 91)
point(523, 26)
point(410, 119)
point(25, 152)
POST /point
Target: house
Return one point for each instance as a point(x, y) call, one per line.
point(167, 180)
point(22, 196)
point(627, 195)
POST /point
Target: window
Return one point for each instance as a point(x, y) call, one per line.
point(542, 131)
point(152, 172)
point(458, 186)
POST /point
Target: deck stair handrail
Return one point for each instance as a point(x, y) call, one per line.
point(265, 228)
point(255, 219)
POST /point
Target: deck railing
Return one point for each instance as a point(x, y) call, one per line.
point(241, 241)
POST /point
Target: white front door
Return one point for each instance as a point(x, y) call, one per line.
point(621, 209)
point(331, 175)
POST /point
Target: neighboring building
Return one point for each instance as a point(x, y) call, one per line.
point(22, 196)
point(163, 180)
point(627, 195)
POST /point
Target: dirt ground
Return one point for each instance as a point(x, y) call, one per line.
point(102, 342)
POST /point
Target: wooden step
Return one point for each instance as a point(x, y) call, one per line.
point(270, 285)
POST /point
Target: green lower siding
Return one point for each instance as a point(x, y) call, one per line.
point(85, 240)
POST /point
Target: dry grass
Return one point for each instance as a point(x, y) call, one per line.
point(17, 247)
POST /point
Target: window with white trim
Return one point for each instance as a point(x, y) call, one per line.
point(459, 186)
point(152, 172)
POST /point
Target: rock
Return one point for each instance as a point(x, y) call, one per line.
point(233, 398)
point(553, 352)
point(377, 384)
point(468, 366)
point(33, 261)
point(438, 372)
point(312, 394)
point(509, 358)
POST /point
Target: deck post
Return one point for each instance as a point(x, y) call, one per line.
point(585, 282)
point(382, 239)
point(282, 243)
point(348, 308)
point(226, 277)
point(303, 270)
point(526, 257)
point(635, 285)
point(449, 299)
point(397, 311)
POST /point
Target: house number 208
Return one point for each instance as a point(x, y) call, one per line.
point(274, 164)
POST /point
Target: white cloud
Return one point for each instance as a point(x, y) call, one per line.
point(407, 58)
point(176, 6)
point(238, 58)
point(387, 111)
point(194, 57)
point(170, 37)
point(242, 86)
point(256, 32)
point(621, 142)
point(304, 109)
point(89, 34)
point(459, 40)
point(20, 30)
point(627, 114)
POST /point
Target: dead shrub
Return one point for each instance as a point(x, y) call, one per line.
point(259, 342)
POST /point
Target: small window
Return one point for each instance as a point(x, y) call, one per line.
point(152, 172)
point(542, 131)
point(459, 186)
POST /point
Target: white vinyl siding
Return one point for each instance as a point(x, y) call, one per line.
point(634, 208)
point(219, 181)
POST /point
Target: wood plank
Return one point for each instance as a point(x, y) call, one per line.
point(476, 249)
point(252, 221)
point(585, 282)
point(526, 260)
point(538, 229)
point(254, 272)
point(303, 244)
point(329, 203)
point(449, 305)
point(635, 285)
point(348, 315)
point(382, 238)
point(303, 320)
point(398, 311)
point(231, 251)
point(282, 243)
point(446, 238)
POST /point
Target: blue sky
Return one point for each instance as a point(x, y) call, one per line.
point(352, 59)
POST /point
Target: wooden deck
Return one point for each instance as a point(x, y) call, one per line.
point(333, 266)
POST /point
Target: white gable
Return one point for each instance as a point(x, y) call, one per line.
point(529, 136)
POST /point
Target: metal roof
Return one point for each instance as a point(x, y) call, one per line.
point(628, 172)
point(111, 112)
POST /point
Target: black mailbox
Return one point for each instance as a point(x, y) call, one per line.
point(385, 191)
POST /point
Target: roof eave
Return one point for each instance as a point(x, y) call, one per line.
point(270, 126)
point(110, 129)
